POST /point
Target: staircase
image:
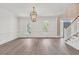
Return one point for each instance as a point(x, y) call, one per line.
point(71, 34)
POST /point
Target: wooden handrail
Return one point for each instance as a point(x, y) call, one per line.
point(73, 21)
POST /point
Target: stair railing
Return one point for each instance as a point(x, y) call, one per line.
point(72, 29)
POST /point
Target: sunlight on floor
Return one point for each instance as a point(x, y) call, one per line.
point(62, 41)
point(29, 42)
point(46, 42)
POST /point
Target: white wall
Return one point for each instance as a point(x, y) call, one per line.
point(37, 27)
point(8, 26)
point(77, 24)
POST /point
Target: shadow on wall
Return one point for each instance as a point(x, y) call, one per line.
point(8, 26)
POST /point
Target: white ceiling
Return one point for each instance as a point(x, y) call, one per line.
point(43, 9)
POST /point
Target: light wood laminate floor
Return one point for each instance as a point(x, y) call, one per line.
point(37, 47)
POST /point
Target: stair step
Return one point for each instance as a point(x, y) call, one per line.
point(74, 44)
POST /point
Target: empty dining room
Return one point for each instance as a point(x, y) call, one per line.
point(39, 29)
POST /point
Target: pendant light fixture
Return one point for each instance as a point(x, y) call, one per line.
point(33, 15)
